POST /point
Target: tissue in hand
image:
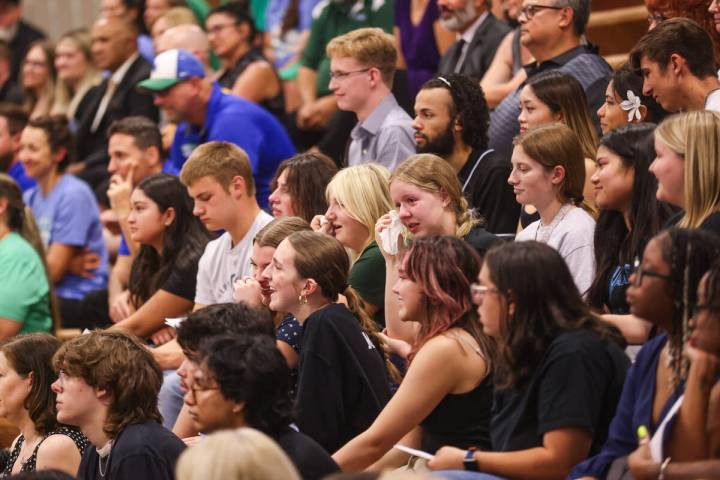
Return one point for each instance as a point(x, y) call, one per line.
point(389, 236)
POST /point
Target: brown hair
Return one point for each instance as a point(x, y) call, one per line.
point(307, 176)
point(557, 145)
point(120, 364)
point(433, 174)
point(58, 136)
point(221, 160)
point(16, 118)
point(32, 354)
point(681, 36)
point(279, 229)
point(49, 50)
point(323, 258)
point(370, 46)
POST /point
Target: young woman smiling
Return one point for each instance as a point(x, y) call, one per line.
point(548, 173)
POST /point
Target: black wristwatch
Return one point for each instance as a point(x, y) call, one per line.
point(470, 463)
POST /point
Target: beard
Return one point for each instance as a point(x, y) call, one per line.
point(442, 145)
point(458, 19)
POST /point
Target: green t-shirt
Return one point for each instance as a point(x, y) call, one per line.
point(23, 285)
point(334, 19)
point(367, 278)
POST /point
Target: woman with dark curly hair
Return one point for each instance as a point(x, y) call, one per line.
point(27, 402)
point(172, 239)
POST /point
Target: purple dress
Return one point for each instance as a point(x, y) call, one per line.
point(417, 43)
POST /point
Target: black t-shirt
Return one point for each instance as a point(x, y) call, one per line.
point(712, 223)
point(182, 277)
point(306, 454)
point(481, 240)
point(342, 380)
point(484, 179)
point(578, 385)
point(142, 451)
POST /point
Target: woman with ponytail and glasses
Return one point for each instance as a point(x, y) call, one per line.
point(25, 290)
point(549, 173)
point(446, 395)
point(343, 380)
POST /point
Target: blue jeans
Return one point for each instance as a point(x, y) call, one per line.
point(170, 400)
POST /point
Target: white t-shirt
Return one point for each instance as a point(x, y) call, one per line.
point(712, 102)
point(573, 238)
point(221, 264)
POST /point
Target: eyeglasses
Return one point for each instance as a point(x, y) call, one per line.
point(164, 93)
point(477, 290)
point(340, 76)
point(215, 29)
point(200, 385)
point(640, 273)
point(529, 11)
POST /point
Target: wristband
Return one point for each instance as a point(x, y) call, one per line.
point(663, 467)
point(470, 463)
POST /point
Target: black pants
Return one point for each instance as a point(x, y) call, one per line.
point(90, 312)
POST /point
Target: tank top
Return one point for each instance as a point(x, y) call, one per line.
point(30, 464)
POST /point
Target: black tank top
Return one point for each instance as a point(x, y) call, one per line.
point(276, 104)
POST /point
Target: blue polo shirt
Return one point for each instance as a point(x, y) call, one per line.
point(233, 119)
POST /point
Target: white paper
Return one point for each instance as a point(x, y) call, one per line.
point(657, 440)
point(174, 322)
point(389, 236)
point(415, 452)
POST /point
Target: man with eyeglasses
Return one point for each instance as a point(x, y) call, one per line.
point(552, 31)
point(479, 34)
point(362, 66)
point(204, 113)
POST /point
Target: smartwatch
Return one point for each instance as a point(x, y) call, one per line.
point(469, 462)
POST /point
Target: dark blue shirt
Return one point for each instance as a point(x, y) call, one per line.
point(232, 119)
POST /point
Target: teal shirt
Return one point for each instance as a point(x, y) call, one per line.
point(367, 278)
point(24, 289)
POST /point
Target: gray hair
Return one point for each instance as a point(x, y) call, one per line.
point(581, 14)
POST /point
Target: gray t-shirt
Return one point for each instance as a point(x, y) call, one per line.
point(221, 264)
point(572, 236)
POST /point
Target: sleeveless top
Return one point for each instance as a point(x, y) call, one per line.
point(29, 466)
point(417, 43)
point(516, 55)
point(276, 104)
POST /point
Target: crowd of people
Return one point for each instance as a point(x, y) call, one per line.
point(295, 239)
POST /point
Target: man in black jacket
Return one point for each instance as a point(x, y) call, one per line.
point(18, 34)
point(479, 34)
point(114, 48)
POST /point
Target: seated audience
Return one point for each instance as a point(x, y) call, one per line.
point(446, 395)
point(174, 17)
point(357, 197)
point(243, 381)
point(163, 274)
point(245, 70)
point(559, 372)
point(677, 63)
point(76, 72)
point(10, 91)
point(630, 215)
point(687, 169)
point(108, 386)
point(38, 78)
point(625, 103)
point(131, 12)
point(26, 302)
point(116, 97)
point(478, 33)
point(714, 10)
point(18, 34)
point(549, 174)
point(421, 40)
point(506, 73)
point(362, 68)
point(429, 201)
point(298, 188)
point(343, 380)
point(13, 119)
point(189, 37)
point(244, 453)
point(220, 182)
point(46, 150)
point(154, 9)
point(663, 292)
point(28, 403)
point(556, 97)
point(554, 38)
point(451, 121)
point(205, 114)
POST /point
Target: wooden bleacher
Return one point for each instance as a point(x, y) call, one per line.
point(615, 26)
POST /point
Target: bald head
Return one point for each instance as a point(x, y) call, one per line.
point(114, 40)
point(188, 37)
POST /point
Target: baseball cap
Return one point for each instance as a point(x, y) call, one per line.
point(171, 67)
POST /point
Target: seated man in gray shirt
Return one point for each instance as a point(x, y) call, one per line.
point(362, 66)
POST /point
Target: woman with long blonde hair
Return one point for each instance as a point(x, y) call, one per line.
point(38, 77)
point(76, 73)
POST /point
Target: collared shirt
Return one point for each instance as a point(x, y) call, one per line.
point(119, 74)
point(467, 36)
point(385, 136)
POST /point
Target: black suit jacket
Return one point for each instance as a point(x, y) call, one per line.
point(25, 36)
point(481, 50)
point(127, 101)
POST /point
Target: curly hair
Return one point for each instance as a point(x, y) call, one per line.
point(307, 176)
point(249, 369)
point(468, 106)
point(120, 364)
